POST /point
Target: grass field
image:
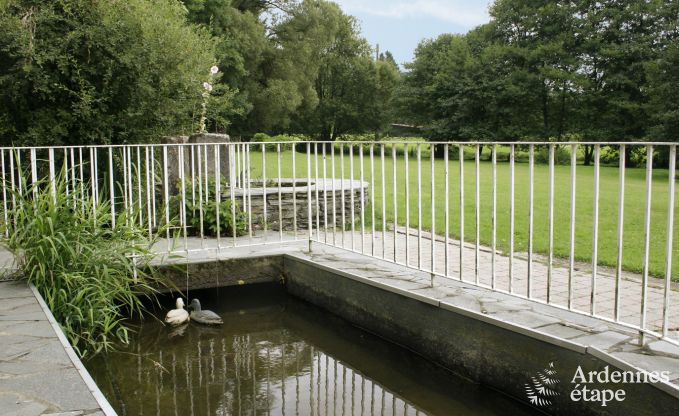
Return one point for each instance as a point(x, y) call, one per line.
point(633, 247)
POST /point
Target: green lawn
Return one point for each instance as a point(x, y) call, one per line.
point(608, 204)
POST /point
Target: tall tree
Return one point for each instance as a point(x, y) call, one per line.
point(81, 72)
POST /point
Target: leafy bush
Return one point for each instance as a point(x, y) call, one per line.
point(226, 219)
point(80, 71)
point(80, 265)
point(265, 138)
point(209, 213)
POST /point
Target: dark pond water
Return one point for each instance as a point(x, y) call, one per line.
point(276, 355)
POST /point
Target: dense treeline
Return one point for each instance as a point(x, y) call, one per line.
point(587, 70)
point(83, 71)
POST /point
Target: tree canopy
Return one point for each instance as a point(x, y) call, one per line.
point(592, 70)
point(82, 72)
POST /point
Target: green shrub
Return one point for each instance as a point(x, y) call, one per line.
point(80, 265)
point(265, 138)
point(226, 219)
point(209, 212)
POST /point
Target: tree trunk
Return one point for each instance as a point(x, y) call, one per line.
point(589, 152)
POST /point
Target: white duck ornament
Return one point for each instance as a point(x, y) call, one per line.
point(177, 316)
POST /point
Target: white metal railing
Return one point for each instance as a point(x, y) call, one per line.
point(368, 205)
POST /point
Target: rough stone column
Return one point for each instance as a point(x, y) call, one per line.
point(201, 138)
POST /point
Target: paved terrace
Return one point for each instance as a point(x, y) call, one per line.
point(39, 373)
point(630, 283)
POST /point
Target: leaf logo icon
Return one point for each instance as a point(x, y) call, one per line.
point(541, 389)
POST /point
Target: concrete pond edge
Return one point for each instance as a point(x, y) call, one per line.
point(104, 405)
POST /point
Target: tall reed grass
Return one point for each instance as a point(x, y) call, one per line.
point(84, 269)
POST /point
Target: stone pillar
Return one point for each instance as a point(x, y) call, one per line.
point(201, 138)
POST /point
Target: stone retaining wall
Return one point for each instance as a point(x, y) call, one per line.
point(321, 203)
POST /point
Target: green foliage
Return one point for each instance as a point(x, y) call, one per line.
point(551, 69)
point(227, 222)
point(81, 267)
point(79, 72)
point(265, 138)
point(303, 68)
point(203, 215)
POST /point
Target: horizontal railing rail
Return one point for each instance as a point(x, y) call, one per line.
point(525, 218)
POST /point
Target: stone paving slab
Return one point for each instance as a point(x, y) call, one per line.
point(415, 249)
point(37, 375)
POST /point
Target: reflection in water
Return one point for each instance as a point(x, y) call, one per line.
point(278, 356)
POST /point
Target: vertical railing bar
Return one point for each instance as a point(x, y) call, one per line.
point(238, 165)
point(571, 255)
point(166, 197)
point(446, 198)
point(407, 196)
point(316, 186)
point(53, 184)
point(280, 193)
point(153, 186)
point(193, 176)
point(207, 175)
point(139, 188)
point(111, 184)
point(595, 230)
point(294, 191)
point(200, 196)
point(242, 175)
point(461, 255)
point(325, 194)
point(218, 196)
point(531, 185)
point(419, 206)
point(432, 157)
point(550, 231)
point(384, 205)
point(130, 189)
point(621, 212)
point(248, 187)
point(264, 211)
point(511, 217)
point(233, 180)
point(351, 195)
point(334, 200)
point(493, 243)
point(20, 175)
point(182, 178)
point(73, 183)
point(4, 192)
point(394, 189)
point(96, 175)
point(34, 173)
point(148, 192)
point(13, 183)
point(310, 221)
point(372, 199)
point(342, 196)
point(66, 188)
point(362, 196)
point(647, 243)
point(669, 242)
point(477, 219)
